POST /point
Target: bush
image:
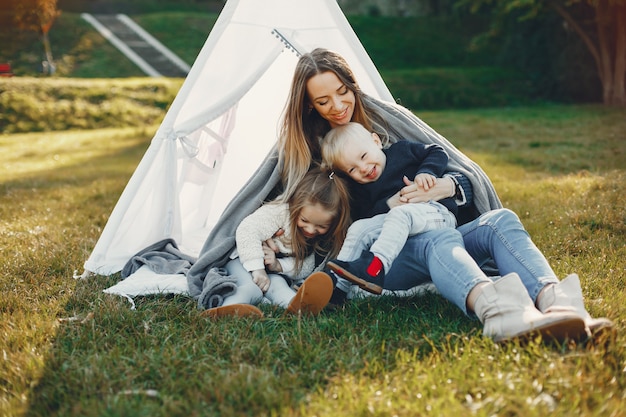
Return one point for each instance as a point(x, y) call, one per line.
point(441, 88)
point(37, 105)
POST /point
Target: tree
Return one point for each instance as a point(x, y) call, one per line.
point(603, 33)
point(38, 16)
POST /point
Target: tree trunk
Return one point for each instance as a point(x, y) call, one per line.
point(609, 53)
point(603, 29)
point(48, 65)
point(619, 88)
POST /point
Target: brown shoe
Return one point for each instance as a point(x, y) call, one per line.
point(313, 295)
point(234, 310)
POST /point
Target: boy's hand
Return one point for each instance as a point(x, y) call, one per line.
point(260, 278)
point(425, 181)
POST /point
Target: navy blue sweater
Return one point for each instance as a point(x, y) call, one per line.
point(404, 158)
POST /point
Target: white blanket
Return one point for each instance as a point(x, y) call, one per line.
point(144, 281)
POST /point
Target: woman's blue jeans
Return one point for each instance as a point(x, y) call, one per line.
point(452, 258)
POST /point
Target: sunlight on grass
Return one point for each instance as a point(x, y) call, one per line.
point(69, 349)
point(474, 376)
point(57, 190)
point(29, 154)
point(59, 104)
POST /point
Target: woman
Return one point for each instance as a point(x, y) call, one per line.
point(528, 298)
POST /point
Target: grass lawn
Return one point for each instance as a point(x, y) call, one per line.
point(70, 350)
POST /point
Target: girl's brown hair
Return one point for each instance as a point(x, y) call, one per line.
point(331, 192)
point(303, 127)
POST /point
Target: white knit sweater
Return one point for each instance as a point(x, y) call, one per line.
point(261, 225)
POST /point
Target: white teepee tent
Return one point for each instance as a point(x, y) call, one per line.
point(223, 122)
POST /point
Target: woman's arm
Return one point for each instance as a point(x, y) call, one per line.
point(452, 185)
point(412, 193)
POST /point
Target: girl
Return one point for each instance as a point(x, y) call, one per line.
point(306, 227)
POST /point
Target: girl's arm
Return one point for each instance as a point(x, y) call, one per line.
point(254, 230)
point(261, 279)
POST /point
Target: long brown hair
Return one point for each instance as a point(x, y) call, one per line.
point(321, 187)
point(303, 127)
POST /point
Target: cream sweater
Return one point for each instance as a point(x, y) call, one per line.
point(261, 225)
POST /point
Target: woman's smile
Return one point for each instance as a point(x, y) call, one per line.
point(341, 118)
point(331, 98)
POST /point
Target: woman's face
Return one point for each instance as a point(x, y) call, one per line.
point(332, 99)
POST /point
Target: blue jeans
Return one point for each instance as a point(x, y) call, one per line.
point(450, 258)
point(498, 237)
point(279, 293)
point(408, 220)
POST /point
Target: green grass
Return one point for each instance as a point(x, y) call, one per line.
point(167, 27)
point(70, 350)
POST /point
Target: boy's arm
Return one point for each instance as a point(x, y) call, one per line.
point(463, 192)
point(434, 159)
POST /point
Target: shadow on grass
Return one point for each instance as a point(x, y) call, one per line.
point(163, 359)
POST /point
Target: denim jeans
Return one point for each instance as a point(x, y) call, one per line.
point(279, 293)
point(404, 221)
point(450, 258)
point(499, 237)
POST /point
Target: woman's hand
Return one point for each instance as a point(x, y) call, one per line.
point(260, 278)
point(413, 193)
point(269, 258)
point(395, 200)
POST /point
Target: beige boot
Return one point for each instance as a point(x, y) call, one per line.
point(567, 296)
point(507, 312)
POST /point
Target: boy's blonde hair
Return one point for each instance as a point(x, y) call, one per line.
point(335, 140)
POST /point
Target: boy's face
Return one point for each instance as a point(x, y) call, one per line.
point(362, 158)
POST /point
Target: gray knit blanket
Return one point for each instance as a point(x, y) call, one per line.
point(402, 125)
point(164, 257)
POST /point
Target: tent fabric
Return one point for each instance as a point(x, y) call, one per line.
point(214, 160)
point(223, 123)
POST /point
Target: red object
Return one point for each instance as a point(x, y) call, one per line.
point(375, 267)
point(5, 70)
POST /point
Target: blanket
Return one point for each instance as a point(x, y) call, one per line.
point(165, 260)
point(403, 125)
point(205, 273)
point(162, 257)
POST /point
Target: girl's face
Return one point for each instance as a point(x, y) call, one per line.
point(332, 99)
point(314, 220)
